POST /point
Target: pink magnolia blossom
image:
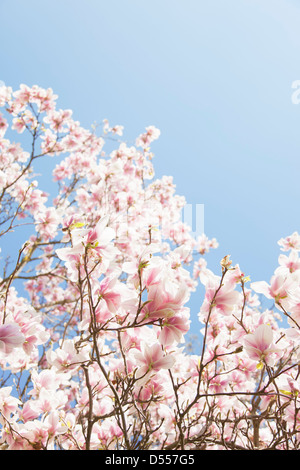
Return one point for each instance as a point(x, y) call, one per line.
point(47, 223)
point(173, 329)
point(204, 244)
point(259, 345)
point(290, 242)
point(10, 338)
point(219, 299)
point(282, 288)
point(54, 425)
point(8, 403)
point(5, 94)
point(163, 303)
point(152, 388)
point(144, 265)
point(46, 379)
point(289, 263)
point(66, 358)
point(29, 411)
point(144, 140)
point(151, 360)
point(294, 314)
point(3, 125)
point(108, 290)
point(98, 240)
point(103, 314)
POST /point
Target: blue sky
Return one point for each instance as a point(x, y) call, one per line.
point(214, 76)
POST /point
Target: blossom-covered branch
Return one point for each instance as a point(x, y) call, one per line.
point(94, 316)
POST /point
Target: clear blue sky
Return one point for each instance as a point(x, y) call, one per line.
point(215, 76)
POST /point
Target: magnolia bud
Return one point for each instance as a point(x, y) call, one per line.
point(226, 262)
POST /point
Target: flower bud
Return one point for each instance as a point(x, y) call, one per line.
point(226, 262)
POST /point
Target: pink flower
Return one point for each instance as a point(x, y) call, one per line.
point(5, 94)
point(111, 297)
point(54, 424)
point(66, 357)
point(151, 360)
point(173, 330)
point(47, 222)
point(10, 338)
point(290, 242)
point(204, 244)
point(144, 264)
point(29, 412)
point(259, 345)
point(153, 388)
point(8, 403)
point(3, 125)
point(289, 263)
point(294, 314)
point(99, 239)
point(164, 304)
point(218, 384)
point(144, 140)
point(281, 288)
point(103, 314)
point(223, 299)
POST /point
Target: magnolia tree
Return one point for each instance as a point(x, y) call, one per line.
point(93, 304)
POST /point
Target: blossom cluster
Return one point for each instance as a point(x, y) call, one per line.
point(94, 316)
